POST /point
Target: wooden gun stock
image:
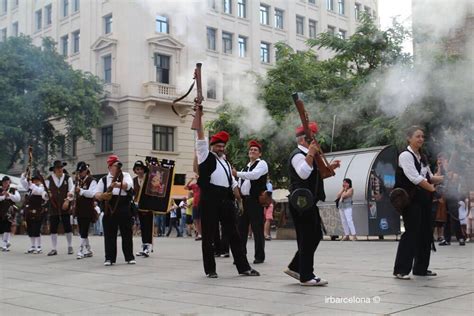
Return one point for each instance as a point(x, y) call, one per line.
point(324, 168)
point(197, 122)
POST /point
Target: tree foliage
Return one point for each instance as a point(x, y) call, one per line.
point(38, 90)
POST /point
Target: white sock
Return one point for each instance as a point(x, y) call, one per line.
point(38, 242)
point(54, 240)
point(32, 239)
point(83, 242)
point(87, 242)
point(69, 239)
point(6, 237)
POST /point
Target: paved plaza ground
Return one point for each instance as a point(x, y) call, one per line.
point(172, 282)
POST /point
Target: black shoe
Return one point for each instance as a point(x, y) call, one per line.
point(257, 261)
point(225, 255)
point(428, 273)
point(212, 275)
point(52, 253)
point(444, 243)
point(462, 242)
point(402, 276)
point(250, 272)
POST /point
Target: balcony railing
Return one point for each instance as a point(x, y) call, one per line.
point(112, 90)
point(159, 90)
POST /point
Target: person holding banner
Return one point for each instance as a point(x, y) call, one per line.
point(145, 216)
point(218, 202)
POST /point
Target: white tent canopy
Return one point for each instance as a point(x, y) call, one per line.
point(15, 182)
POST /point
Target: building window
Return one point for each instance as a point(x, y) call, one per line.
point(227, 6)
point(15, 4)
point(76, 36)
point(367, 10)
point(163, 138)
point(264, 11)
point(108, 24)
point(299, 25)
point(64, 45)
point(211, 38)
point(107, 139)
point(15, 29)
point(357, 11)
point(330, 5)
point(48, 10)
point(342, 34)
point(107, 61)
point(279, 18)
point(76, 5)
point(341, 7)
point(242, 8)
point(226, 43)
point(65, 8)
point(312, 1)
point(162, 64)
point(265, 52)
point(211, 4)
point(4, 6)
point(162, 24)
point(242, 46)
point(38, 20)
point(331, 30)
point(211, 89)
point(312, 28)
point(3, 35)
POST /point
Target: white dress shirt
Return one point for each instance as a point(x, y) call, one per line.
point(115, 191)
point(15, 198)
point(59, 181)
point(246, 176)
point(90, 192)
point(35, 189)
point(301, 166)
point(220, 176)
point(407, 163)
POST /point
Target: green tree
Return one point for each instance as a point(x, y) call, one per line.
point(39, 91)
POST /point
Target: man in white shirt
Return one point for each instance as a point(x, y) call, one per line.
point(252, 182)
point(218, 202)
point(8, 197)
point(304, 175)
point(113, 190)
point(60, 187)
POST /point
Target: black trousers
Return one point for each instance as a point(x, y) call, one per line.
point(253, 215)
point(84, 224)
point(54, 223)
point(146, 226)
point(216, 205)
point(173, 223)
point(308, 235)
point(121, 219)
point(33, 227)
point(452, 224)
point(221, 240)
point(5, 226)
point(414, 248)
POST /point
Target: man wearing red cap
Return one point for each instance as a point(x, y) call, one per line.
point(114, 190)
point(253, 182)
point(304, 175)
point(218, 202)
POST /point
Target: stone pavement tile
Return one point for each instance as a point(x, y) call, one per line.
point(327, 311)
point(273, 308)
point(374, 308)
point(10, 309)
point(53, 304)
point(156, 306)
point(463, 302)
point(213, 311)
point(403, 298)
point(11, 293)
point(432, 311)
point(108, 311)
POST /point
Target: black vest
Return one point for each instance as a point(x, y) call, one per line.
point(314, 183)
point(206, 168)
point(5, 204)
point(401, 180)
point(259, 185)
point(84, 205)
point(58, 195)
